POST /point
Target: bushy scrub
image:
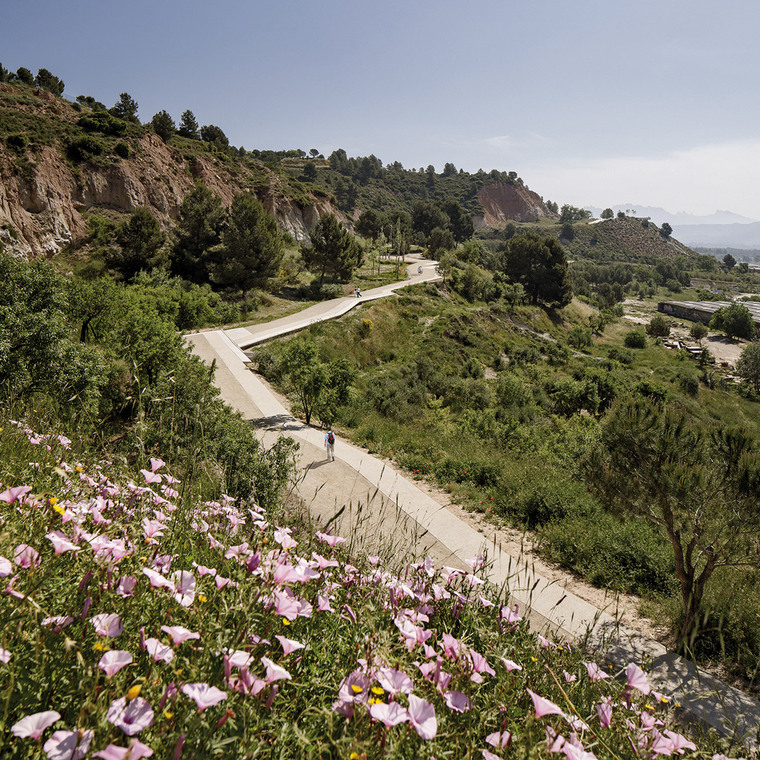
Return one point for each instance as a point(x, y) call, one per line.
point(626, 556)
point(635, 339)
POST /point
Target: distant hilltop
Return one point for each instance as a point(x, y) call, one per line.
point(721, 229)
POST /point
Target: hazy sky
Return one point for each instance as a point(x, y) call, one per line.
point(594, 102)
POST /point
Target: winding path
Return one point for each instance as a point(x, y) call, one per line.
point(368, 499)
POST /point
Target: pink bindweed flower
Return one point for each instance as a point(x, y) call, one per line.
point(288, 645)
point(157, 580)
point(499, 739)
point(136, 751)
point(32, 726)
point(59, 622)
point(489, 755)
point(25, 556)
point(150, 476)
point(5, 656)
point(570, 677)
point(595, 673)
point(274, 672)
point(158, 651)
point(544, 706)
point(283, 537)
point(61, 543)
point(510, 664)
point(130, 717)
point(457, 701)
point(107, 625)
point(112, 662)
point(6, 568)
point(125, 586)
point(390, 714)
point(604, 711)
point(637, 678)
point(509, 616)
point(204, 695)
point(422, 717)
point(179, 634)
point(394, 681)
point(68, 745)
point(184, 584)
point(12, 495)
point(330, 540)
point(156, 464)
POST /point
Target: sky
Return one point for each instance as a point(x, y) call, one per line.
point(591, 102)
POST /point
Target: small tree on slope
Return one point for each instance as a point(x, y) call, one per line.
point(699, 487)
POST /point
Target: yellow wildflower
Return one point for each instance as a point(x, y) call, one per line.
point(378, 690)
point(356, 689)
point(134, 691)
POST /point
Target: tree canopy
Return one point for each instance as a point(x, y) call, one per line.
point(252, 247)
point(139, 241)
point(540, 266)
point(333, 250)
point(200, 219)
point(735, 320)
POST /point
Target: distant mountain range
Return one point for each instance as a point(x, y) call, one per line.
point(721, 229)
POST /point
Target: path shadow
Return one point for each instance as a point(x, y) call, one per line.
point(317, 464)
point(275, 422)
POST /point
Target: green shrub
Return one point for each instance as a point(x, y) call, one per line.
point(625, 556)
point(658, 327)
point(635, 339)
point(84, 148)
point(544, 499)
point(121, 149)
point(620, 355)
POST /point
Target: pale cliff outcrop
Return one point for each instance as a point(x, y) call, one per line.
point(503, 202)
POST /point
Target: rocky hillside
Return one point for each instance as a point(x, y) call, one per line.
point(54, 170)
point(503, 202)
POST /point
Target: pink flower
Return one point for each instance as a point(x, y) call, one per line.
point(14, 494)
point(286, 606)
point(422, 717)
point(60, 622)
point(125, 586)
point(204, 695)
point(288, 645)
point(274, 672)
point(570, 677)
point(68, 745)
point(604, 711)
point(136, 751)
point(112, 662)
point(150, 477)
point(489, 755)
point(179, 634)
point(25, 556)
point(395, 681)
point(389, 714)
point(184, 584)
point(457, 701)
point(5, 656)
point(544, 706)
point(480, 664)
point(156, 464)
point(6, 568)
point(130, 718)
point(637, 679)
point(157, 580)
point(61, 543)
point(283, 537)
point(595, 673)
point(107, 625)
point(510, 664)
point(33, 725)
point(158, 651)
point(499, 740)
point(330, 540)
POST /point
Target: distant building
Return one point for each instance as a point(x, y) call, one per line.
point(702, 311)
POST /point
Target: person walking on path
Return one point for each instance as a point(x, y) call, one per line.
point(330, 445)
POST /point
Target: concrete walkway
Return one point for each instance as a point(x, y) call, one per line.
point(379, 507)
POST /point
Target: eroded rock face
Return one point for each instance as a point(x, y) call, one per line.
point(42, 206)
point(503, 202)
